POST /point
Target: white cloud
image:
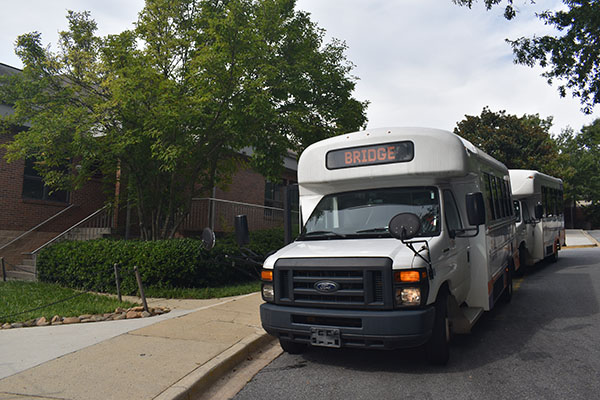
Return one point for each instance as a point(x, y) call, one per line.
point(430, 62)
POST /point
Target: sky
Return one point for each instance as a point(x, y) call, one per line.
point(419, 62)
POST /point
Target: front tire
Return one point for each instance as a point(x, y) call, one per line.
point(292, 347)
point(554, 256)
point(438, 346)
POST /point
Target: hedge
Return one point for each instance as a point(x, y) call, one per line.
point(175, 263)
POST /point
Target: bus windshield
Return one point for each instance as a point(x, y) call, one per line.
point(368, 212)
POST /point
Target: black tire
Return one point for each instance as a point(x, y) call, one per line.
point(438, 346)
point(554, 256)
point(292, 347)
point(508, 291)
point(522, 261)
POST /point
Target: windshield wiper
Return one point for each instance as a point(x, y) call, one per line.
point(374, 230)
point(319, 233)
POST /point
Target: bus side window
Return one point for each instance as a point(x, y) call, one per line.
point(451, 212)
point(517, 207)
point(526, 216)
point(488, 196)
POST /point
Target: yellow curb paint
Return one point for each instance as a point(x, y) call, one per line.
point(517, 283)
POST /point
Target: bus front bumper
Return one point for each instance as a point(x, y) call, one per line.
point(356, 328)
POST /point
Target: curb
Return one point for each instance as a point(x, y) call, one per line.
point(200, 379)
point(579, 246)
point(591, 238)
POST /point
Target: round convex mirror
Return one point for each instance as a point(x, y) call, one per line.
point(404, 226)
point(208, 238)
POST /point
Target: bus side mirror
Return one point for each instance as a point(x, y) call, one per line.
point(475, 209)
point(539, 211)
point(242, 236)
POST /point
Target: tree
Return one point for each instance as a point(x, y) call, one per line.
point(580, 163)
point(572, 57)
point(519, 142)
point(171, 103)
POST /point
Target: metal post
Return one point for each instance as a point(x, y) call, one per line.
point(211, 204)
point(3, 269)
point(128, 219)
point(118, 282)
point(287, 215)
point(139, 282)
point(290, 192)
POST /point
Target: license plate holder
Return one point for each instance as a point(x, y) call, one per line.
point(325, 337)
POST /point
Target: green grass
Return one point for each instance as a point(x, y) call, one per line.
point(17, 297)
point(202, 293)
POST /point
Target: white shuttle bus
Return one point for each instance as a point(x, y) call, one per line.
point(538, 201)
point(408, 235)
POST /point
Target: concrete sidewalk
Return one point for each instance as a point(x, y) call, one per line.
point(170, 359)
point(576, 238)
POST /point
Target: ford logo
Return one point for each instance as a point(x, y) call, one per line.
point(327, 286)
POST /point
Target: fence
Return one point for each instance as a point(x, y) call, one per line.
point(219, 215)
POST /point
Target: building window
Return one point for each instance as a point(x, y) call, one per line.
point(274, 194)
point(34, 187)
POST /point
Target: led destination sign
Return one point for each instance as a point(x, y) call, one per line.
point(385, 153)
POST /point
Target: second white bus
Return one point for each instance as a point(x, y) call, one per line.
point(538, 200)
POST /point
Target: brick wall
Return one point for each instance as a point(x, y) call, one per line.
point(19, 214)
point(247, 186)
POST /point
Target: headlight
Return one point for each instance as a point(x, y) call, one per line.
point(408, 296)
point(268, 294)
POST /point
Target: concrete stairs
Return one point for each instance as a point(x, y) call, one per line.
point(26, 271)
point(21, 265)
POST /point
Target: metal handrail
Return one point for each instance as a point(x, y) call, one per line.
point(69, 230)
point(37, 226)
point(238, 203)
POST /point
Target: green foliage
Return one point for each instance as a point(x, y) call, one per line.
point(203, 293)
point(580, 164)
point(163, 264)
point(173, 101)
point(17, 297)
point(519, 142)
point(509, 10)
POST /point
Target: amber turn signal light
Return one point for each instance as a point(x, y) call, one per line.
point(407, 276)
point(266, 275)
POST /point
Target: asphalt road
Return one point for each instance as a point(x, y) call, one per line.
point(545, 344)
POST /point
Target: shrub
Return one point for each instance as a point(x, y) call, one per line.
point(175, 263)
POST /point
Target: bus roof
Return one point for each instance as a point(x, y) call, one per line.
point(435, 154)
point(527, 182)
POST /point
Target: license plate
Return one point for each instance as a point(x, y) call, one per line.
point(325, 337)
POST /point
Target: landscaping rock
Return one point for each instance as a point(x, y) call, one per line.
point(119, 314)
point(133, 314)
